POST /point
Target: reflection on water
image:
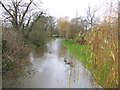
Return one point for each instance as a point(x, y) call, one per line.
point(50, 71)
point(38, 52)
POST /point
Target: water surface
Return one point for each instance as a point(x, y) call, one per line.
point(50, 71)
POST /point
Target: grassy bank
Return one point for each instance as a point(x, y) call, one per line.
point(84, 54)
point(56, 36)
point(80, 52)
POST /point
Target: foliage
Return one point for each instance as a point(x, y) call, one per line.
point(81, 37)
point(69, 29)
point(102, 38)
point(40, 33)
point(13, 47)
point(16, 44)
point(76, 27)
point(63, 26)
point(100, 55)
point(88, 59)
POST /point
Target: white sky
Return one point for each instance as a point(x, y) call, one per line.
point(62, 8)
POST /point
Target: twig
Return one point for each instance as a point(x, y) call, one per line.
point(10, 58)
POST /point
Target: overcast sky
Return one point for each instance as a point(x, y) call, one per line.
point(62, 8)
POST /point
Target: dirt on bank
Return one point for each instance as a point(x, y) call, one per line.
point(18, 70)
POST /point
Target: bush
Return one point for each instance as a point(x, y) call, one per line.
point(13, 48)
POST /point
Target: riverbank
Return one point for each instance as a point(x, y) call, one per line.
point(50, 71)
point(83, 53)
point(13, 66)
point(18, 65)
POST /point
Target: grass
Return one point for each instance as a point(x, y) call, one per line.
point(104, 71)
point(80, 52)
point(55, 35)
point(83, 53)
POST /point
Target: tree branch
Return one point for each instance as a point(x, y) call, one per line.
point(25, 12)
point(28, 21)
point(6, 10)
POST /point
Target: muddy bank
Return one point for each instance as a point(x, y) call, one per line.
point(20, 68)
point(17, 70)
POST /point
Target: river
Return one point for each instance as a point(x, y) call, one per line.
point(48, 70)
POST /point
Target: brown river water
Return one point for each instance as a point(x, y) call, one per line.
point(48, 70)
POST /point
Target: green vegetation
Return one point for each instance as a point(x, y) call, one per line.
point(83, 53)
point(24, 34)
point(88, 38)
point(6, 65)
point(80, 52)
point(71, 65)
point(16, 44)
point(55, 35)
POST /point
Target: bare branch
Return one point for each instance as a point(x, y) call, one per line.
point(6, 10)
point(28, 21)
point(25, 12)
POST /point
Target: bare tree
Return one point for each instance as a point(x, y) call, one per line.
point(16, 11)
point(91, 15)
point(50, 24)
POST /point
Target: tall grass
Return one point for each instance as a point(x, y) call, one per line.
point(100, 56)
point(104, 41)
